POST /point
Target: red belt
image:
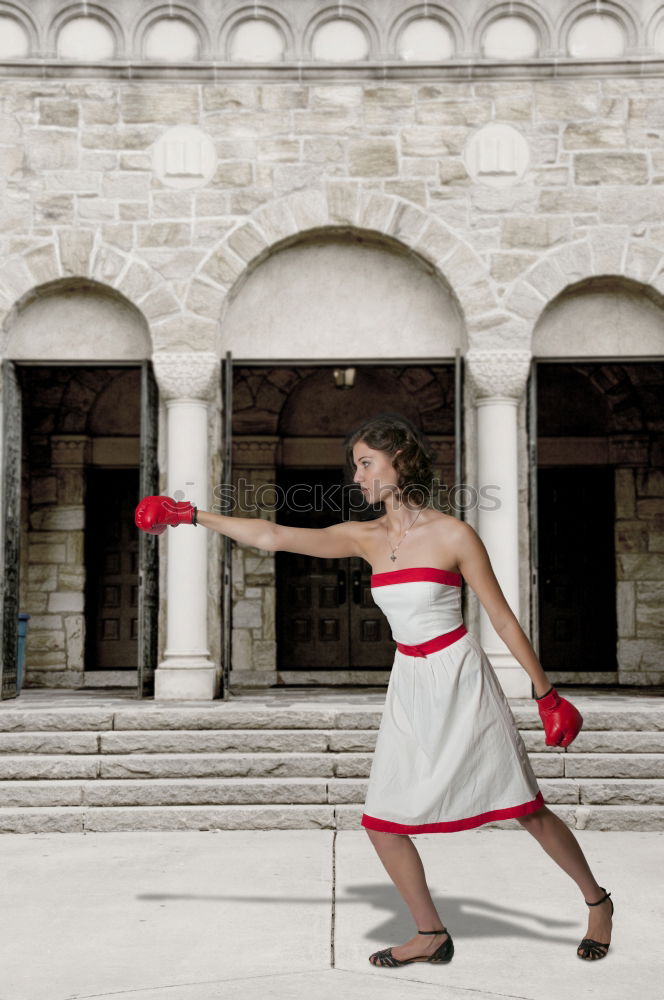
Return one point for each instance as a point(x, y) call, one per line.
point(432, 645)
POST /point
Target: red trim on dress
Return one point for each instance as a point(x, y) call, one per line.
point(433, 645)
point(416, 574)
point(387, 826)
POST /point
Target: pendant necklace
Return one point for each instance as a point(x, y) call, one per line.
point(394, 550)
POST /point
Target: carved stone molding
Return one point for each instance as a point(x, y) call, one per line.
point(497, 155)
point(496, 373)
point(184, 157)
point(186, 375)
point(70, 450)
point(442, 450)
point(256, 452)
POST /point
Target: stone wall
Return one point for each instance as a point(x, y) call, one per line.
point(254, 647)
point(640, 572)
point(97, 185)
point(55, 569)
point(82, 195)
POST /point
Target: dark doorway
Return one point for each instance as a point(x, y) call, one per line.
point(576, 514)
point(111, 560)
point(326, 616)
point(289, 423)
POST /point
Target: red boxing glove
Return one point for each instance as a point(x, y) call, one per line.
point(155, 514)
point(562, 721)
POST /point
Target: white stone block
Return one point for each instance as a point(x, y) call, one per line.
point(626, 607)
point(74, 635)
point(247, 614)
point(58, 519)
point(48, 553)
point(68, 600)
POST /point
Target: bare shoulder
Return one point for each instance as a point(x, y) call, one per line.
point(452, 543)
point(458, 537)
point(460, 530)
point(451, 528)
point(472, 556)
point(462, 535)
point(445, 521)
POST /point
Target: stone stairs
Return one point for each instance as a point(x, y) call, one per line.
point(233, 765)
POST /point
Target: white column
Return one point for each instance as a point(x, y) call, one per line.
point(499, 379)
point(186, 383)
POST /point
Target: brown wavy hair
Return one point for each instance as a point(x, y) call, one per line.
point(392, 433)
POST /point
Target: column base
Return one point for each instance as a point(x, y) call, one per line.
point(514, 680)
point(185, 683)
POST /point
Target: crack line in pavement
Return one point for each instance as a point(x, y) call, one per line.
point(334, 886)
point(196, 982)
point(473, 990)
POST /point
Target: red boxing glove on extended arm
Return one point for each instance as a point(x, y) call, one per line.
point(155, 514)
point(562, 721)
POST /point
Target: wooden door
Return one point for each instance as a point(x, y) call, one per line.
point(111, 560)
point(326, 616)
point(577, 577)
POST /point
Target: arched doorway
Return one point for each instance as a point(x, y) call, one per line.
point(383, 315)
point(80, 422)
point(598, 484)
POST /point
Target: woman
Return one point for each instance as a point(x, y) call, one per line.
point(448, 753)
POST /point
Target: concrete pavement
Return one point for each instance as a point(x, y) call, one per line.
point(279, 915)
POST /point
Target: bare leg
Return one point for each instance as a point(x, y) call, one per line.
point(403, 864)
point(560, 844)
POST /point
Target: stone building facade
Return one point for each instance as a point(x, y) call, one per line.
point(391, 187)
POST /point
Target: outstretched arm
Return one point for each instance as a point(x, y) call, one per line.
point(155, 514)
point(256, 531)
point(473, 561)
point(336, 542)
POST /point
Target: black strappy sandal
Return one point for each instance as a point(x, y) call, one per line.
point(592, 950)
point(440, 956)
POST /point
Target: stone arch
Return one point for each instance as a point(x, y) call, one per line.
point(413, 391)
point(116, 409)
point(343, 209)
point(178, 12)
point(601, 257)
point(27, 22)
point(96, 401)
point(651, 26)
point(77, 255)
point(78, 321)
point(445, 16)
point(620, 11)
point(600, 398)
point(79, 9)
point(259, 12)
point(341, 293)
point(535, 15)
point(347, 13)
point(597, 318)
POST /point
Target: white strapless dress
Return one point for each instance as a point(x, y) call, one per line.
point(448, 753)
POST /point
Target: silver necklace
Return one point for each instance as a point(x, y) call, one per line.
point(394, 550)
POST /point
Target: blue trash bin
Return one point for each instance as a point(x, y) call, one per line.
point(22, 633)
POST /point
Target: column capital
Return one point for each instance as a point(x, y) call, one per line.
point(186, 374)
point(496, 373)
